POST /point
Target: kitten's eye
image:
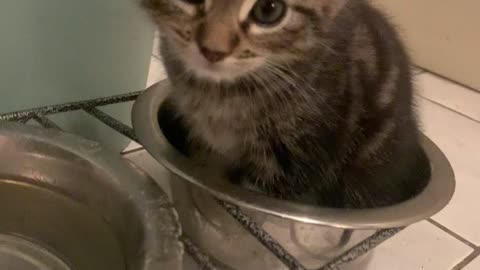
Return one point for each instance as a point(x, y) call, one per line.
point(268, 12)
point(194, 2)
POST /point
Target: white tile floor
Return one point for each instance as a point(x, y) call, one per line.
point(450, 115)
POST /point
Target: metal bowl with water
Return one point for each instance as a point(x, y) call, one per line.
point(312, 234)
point(68, 204)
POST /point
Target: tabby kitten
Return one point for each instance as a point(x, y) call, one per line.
point(305, 100)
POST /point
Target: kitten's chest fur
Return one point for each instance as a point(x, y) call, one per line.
point(223, 123)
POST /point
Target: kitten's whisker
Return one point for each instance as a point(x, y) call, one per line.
point(280, 89)
point(327, 47)
point(257, 85)
point(247, 82)
point(264, 88)
point(291, 82)
point(287, 70)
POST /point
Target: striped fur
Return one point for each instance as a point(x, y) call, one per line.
point(318, 109)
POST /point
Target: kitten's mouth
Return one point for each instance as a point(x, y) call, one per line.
point(228, 69)
point(217, 66)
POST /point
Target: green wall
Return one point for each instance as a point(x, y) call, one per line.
point(55, 51)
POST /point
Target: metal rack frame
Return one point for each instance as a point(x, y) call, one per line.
point(40, 115)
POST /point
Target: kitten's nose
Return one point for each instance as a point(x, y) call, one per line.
point(211, 55)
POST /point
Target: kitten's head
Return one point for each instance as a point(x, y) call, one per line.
point(222, 40)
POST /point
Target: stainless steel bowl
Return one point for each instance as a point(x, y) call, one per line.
point(298, 227)
point(66, 203)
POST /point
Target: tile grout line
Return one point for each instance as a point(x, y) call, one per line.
point(476, 250)
point(418, 70)
point(132, 151)
point(470, 88)
point(467, 260)
point(448, 108)
point(454, 234)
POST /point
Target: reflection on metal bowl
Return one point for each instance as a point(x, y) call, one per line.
point(67, 204)
point(207, 223)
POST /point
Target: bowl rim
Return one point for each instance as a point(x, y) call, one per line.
point(124, 175)
point(436, 195)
